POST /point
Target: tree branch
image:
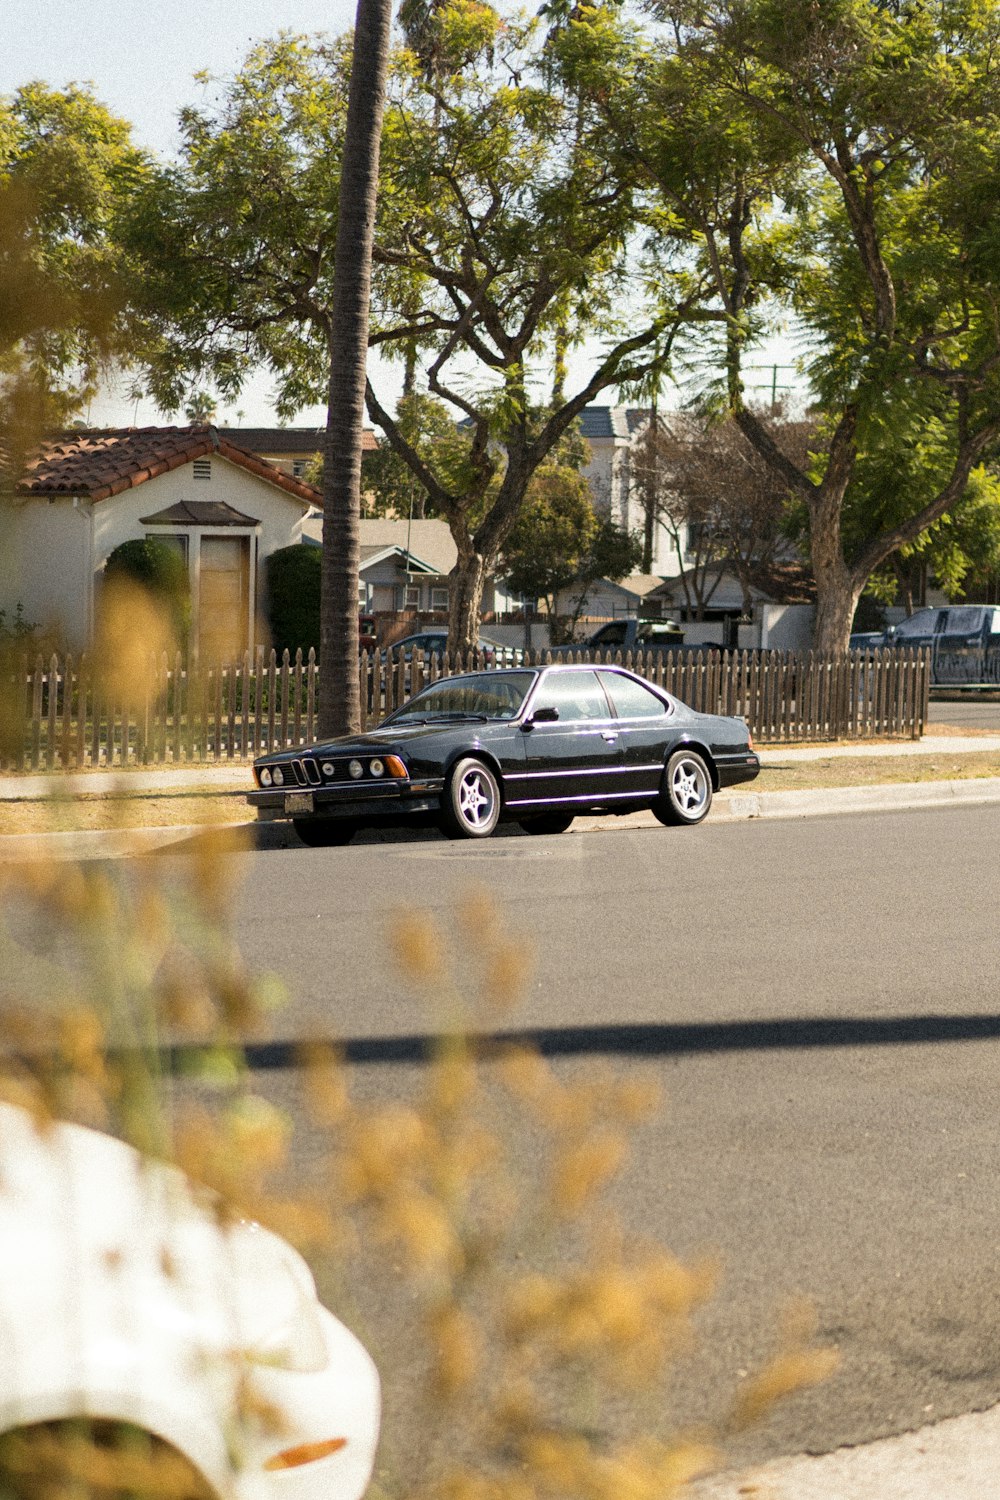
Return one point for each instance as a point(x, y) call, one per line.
point(406, 451)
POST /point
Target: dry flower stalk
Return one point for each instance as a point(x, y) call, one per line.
point(515, 1326)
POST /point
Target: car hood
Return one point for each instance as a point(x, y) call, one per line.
point(393, 736)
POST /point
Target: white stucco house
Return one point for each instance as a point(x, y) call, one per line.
point(84, 492)
point(612, 434)
point(405, 566)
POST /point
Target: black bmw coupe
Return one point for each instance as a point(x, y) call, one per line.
point(535, 745)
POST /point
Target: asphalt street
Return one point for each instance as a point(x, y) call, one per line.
point(817, 999)
point(970, 711)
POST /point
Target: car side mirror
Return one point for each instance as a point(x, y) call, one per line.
point(544, 716)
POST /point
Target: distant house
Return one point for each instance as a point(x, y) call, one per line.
point(639, 594)
point(405, 566)
point(84, 492)
point(290, 449)
point(612, 434)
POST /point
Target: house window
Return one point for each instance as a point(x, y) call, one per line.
point(411, 596)
point(202, 468)
point(176, 541)
point(298, 467)
point(439, 599)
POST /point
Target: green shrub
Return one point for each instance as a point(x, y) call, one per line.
point(293, 575)
point(161, 570)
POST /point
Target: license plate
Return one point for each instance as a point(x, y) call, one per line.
point(298, 802)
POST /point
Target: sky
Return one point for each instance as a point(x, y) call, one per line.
point(141, 59)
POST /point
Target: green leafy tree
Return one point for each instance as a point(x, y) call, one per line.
point(67, 164)
point(840, 162)
point(507, 225)
point(613, 553)
point(961, 551)
point(549, 544)
point(490, 231)
point(236, 258)
point(430, 429)
point(200, 408)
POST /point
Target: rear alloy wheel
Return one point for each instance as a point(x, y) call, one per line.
point(686, 794)
point(325, 833)
point(470, 807)
point(553, 822)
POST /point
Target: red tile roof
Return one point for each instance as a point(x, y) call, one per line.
point(101, 463)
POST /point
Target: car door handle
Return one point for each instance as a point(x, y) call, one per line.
point(609, 737)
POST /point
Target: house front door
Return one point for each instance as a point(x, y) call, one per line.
point(224, 598)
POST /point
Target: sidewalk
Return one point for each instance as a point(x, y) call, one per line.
point(931, 744)
point(958, 1459)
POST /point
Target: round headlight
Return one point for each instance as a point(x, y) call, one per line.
point(277, 776)
point(328, 768)
point(356, 768)
point(377, 767)
point(265, 777)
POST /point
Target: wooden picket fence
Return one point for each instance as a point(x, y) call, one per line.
point(62, 714)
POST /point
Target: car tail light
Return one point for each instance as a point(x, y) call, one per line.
point(305, 1453)
point(749, 737)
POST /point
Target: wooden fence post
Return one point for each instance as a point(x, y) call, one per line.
point(272, 694)
point(297, 696)
point(311, 669)
point(285, 669)
point(53, 709)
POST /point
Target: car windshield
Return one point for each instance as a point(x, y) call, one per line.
point(480, 695)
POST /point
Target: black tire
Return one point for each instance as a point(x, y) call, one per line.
point(686, 794)
point(552, 822)
point(325, 833)
point(470, 803)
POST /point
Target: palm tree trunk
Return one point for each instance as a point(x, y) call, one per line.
point(339, 702)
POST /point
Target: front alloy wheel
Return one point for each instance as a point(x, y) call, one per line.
point(471, 803)
point(686, 795)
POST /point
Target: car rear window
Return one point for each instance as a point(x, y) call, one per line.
point(630, 698)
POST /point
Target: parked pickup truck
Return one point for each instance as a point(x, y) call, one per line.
point(629, 635)
point(964, 640)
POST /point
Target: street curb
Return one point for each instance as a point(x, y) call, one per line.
point(886, 797)
point(734, 807)
point(957, 1459)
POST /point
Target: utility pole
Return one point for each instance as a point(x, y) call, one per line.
point(773, 384)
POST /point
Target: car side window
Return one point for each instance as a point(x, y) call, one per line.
point(611, 635)
point(631, 700)
point(924, 622)
point(577, 695)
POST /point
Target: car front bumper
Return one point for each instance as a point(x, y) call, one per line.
point(389, 799)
